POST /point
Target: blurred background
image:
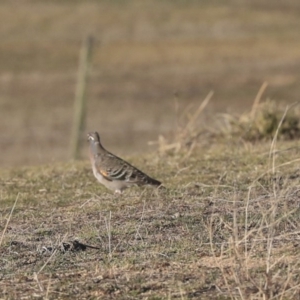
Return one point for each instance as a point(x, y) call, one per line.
point(151, 60)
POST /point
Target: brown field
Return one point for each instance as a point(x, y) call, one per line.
point(226, 227)
point(145, 53)
point(227, 224)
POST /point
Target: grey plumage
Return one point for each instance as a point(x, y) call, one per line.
point(114, 172)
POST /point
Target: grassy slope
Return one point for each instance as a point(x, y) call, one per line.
point(226, 226)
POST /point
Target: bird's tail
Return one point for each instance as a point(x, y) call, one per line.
point(155, 183)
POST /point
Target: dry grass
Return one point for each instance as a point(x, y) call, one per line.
point(263, 122)
point(227, 227)
point(266, 121)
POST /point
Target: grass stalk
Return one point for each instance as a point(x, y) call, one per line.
point(8, 219)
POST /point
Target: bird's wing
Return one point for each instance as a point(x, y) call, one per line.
point(113, 168)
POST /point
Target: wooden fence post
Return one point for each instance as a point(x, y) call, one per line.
point(79, 103)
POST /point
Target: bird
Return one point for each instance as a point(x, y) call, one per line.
point(112, 171)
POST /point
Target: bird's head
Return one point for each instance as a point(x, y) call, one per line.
point(93, 137)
